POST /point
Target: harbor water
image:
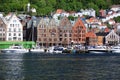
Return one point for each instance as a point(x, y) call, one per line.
point(36, 66)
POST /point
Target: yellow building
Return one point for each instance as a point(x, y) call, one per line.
point(101, 38)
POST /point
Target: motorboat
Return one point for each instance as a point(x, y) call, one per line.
point(37, 49)
point(16, 48)
point(115, 49)
point(98, 49)
point(55, 49)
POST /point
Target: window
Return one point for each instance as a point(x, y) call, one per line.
point(50, 39)
point(14, 20)
point(44, 35)
point(3, 34)
point(15, 25)
point(1, 39)
point(55, 39)
point(70, 35)
point(19, 38)
point(9, 29)
point(9, 34)
point(14, 30)
point(39, 39)
point(65, 35)
point(9, 38)
point(1, 24)
point(14, 34)
point(44, 30)
point(60, 35)
point(19, 34)
point(10, 25)
point(14, 38)
point(0, 29)
point(19, 29)
point(0, 34)
point(60, 39)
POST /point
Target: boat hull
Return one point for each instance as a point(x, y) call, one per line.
point(14, 51)
point(37, 50)
point(115, 51)
point(98, 51)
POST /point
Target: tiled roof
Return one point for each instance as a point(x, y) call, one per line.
point(79, 22)
point(102, 33)
point(107, 30)
point(101, 10)
point(90, 34)
point(59, 11)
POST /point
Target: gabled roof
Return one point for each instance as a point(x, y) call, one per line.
point(29, 23)
point(44, 21)
point(59, 11)
point(65, 22)
point(79, 22)
point(102, 33)
point(9, 16)
point(106, 30)
point(90, 34)
point(52, 22)
point(3, 19)
point(112, 32)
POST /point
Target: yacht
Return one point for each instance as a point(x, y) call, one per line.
point(115, 49)
point(98, 49)
point(16, 48)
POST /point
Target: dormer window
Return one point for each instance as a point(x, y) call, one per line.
point(14, 20)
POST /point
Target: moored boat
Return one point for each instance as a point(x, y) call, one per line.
point(16, 48)
point(37, 49)
point(55, 49)
point(98, 49)
point(115, 49)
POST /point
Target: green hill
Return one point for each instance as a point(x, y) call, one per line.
point(45, 7)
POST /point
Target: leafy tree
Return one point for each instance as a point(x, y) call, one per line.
point(45, 7)
point(117, 19)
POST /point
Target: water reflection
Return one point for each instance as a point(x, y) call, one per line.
point(11, 68)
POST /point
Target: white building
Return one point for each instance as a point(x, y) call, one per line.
point(14, 29)
point(62, 13)
point(89, 12)
point(115, 8)
point(112, 38)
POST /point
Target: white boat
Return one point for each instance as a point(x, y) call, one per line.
point(98, 49)
point(55, 49)
point(115, 49)
point(37, 50)
point(16, 48)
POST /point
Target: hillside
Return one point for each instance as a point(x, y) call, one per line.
point(45, 7)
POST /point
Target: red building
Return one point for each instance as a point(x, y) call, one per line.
point(79, 31)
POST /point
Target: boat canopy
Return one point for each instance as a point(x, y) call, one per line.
point(6, 44)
